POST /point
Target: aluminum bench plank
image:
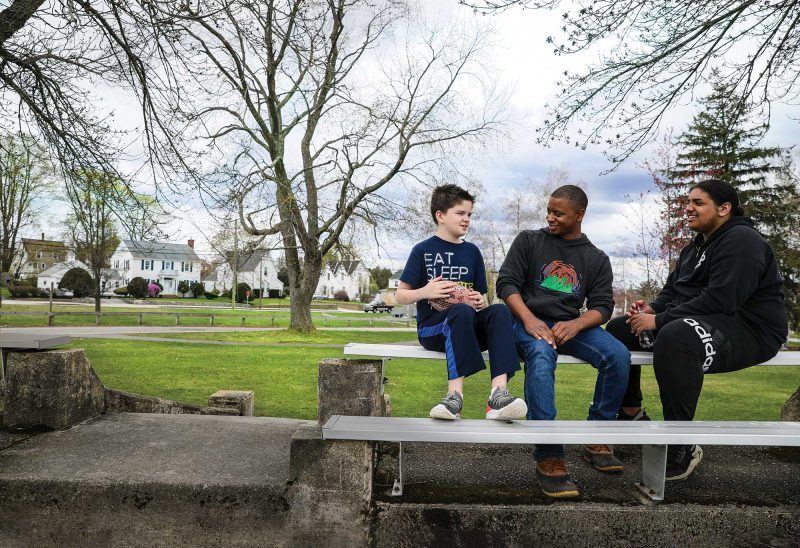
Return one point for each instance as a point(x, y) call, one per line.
point(418, 352)
point(399, 429)
point(32, 342)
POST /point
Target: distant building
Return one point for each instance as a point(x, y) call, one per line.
point(258, 270)
point(165, 263)
point(56, 272)
point(394, 279)
point(352, 277)
point(39, 255)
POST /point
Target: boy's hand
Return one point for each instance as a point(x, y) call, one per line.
point(477, 299)
point(438, 288)
point(640, 306)
point(564, 331)
point(537, 329)
point(642, 322)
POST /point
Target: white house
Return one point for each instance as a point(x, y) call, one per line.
point(394, 280)
point(258, 271)
point(352, 277)
point(168, 264)
point(56, 272)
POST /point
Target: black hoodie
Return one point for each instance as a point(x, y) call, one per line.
point(554, 276)
point(733, 272)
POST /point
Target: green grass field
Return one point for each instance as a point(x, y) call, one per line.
point(284, 378)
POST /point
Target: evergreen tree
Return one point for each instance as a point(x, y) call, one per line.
point(722, 142)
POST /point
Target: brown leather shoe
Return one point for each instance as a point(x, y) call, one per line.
point(602, 458)
point(554, 479)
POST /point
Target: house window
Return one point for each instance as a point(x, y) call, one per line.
point(44, 266)
point(116, 264)
point(39, 254)
point(186, 266)
point(266, 272)
point(166, 265)
point(127, 264)
point(148, 264)
point(329, 276)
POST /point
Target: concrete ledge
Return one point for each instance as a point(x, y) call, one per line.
point(117, 401)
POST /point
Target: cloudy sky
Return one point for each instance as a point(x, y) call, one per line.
point(524, 63)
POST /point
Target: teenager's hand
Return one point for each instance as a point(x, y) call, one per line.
point(438, 288)
point(564, 331)
point(642, 322)
point(537, 329)
point(476, 299)
point(640, 306)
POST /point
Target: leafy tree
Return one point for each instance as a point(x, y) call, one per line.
point(380, 276)
point(183, 286)
point(197, 289)
point(78, 281)
point(24, 169)
point(137, 287)
point(658, 52)
point(722, 142)
point(242, 289)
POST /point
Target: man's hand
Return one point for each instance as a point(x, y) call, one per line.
point(438, 288)
point(642, 322)
point(640, 306)
point(476, 299)
point(537, 329)
point(564, 331)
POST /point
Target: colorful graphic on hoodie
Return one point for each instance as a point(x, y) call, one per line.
point(560, 276)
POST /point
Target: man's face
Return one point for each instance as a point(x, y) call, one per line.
point(455, 221)
point(563, 218)
point(702, 214)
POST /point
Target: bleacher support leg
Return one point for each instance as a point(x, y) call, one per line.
point(397, 487)
point(654, 471)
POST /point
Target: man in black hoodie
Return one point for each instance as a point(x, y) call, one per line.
point(546, 278)
point(722, 309)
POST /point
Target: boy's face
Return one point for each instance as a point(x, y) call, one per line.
point(563, 218)
point(455, 221)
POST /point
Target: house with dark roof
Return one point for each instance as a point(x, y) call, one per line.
point(256, 268)
point(165, 263)
point(352, 277)
point(39, 255)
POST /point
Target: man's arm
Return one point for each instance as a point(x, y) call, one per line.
point(599, 302)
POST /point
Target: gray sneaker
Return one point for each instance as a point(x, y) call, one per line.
point(449, 408)
point(502, 406)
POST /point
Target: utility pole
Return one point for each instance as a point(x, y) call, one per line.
point(234, 266)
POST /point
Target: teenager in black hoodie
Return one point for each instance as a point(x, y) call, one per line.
point(722, 309)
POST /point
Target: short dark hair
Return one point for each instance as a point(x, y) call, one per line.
point(574, 194)
point(721, 192)
point(446, 196)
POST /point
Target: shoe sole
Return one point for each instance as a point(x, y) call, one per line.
point(613, 469)
point(562, 494)
point(514, 410)
point(696, 458)
point(442, 413)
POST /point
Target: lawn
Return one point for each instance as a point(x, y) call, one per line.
point(284, 378)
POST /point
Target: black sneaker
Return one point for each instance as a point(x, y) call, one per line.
point(449, 408)
point(640, 416)
point(682, 460)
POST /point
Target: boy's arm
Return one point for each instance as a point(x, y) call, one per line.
point(437, 288)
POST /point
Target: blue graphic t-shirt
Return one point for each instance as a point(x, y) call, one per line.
point(460, 263)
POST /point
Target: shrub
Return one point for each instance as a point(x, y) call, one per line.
point(241, 292)
point(18, 291)
point(159, 284)
point(366, 297)
point(341, 296)
point(274, 293)
point(78, 281)
point(197, 289)
point(211, 296)
point(154, 289)
point(121, 291)
point(183, 286)
point(137, 288)
point(255, 294)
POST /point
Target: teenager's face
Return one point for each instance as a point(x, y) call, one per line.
point(703, 215)
point(564, 218)
point(455, 221)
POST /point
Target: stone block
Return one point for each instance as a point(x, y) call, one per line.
point(241, 400)
point(330, 489)
point(350, 387)
point(791, 409)
point(55, 389)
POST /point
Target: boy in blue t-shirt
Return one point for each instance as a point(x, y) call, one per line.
point(455, 320)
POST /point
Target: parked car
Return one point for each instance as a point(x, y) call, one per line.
point(108, 293)
point(378, 306)
point(319, 297)
point(62, 293)
point(405, 311)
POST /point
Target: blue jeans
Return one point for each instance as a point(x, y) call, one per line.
point(605, 353)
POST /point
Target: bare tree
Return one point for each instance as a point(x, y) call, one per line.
point(91, 230)
point(660, 51)
point(24, 170)
point(317, 110)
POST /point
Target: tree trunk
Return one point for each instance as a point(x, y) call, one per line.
point(305, 282)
